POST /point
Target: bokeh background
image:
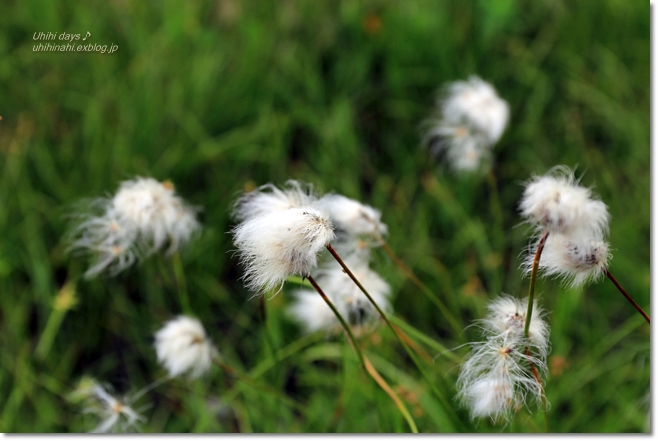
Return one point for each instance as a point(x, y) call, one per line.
point(221, 96)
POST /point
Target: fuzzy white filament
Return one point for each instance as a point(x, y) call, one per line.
point(470, 119)
point(279, 244)
point(476, 103)
point(268, 199)
point(182, 346)
point(577, 259)
point(143, 217)
point(497, 378)
point(110, 410)
point(556, 203)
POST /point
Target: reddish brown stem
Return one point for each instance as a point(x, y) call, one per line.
point(628, 297)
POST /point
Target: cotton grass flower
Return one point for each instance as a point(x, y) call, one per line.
point(557, 203)
point(268, 199)
point(182, 346)
point(470, 119)
point(141, 219)
point(577, 260)
point(351, 303)
point(352, 218)
point(279, 244)
point(116, 416)
point(498, 376)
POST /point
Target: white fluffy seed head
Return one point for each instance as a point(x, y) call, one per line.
point(476, 103)
point(556, 203)
point(139, 220)
point(268, 199)
point(463, 148)
point(577, 259)
point(183, 347)
point(508, 314)
point(312, 312)
point(495, 380)
point(154, 209)
point(282, 243)
point(352, 218)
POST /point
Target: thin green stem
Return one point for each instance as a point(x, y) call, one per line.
point(181, 283)
point(62, 303)
point(628, 297)
point(340, 318)
point(424, 288)
point(533, 282)
point(388, 323)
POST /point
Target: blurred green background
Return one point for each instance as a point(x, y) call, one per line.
point(219, 96)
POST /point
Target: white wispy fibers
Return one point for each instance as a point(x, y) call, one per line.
point(110, 242)
point(470, 118)
point(268, 199)
point(465, 149)
point(576, 258)
point(182, 346)
point(279, 244)
point(495, 380)
point(557, 203)
point(157, 212)
point(476, 103)
point(352, 218)
point(508, 314)
point(115, 415)
point(349, 300)
point(143, 217)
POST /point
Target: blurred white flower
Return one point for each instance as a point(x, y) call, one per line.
point(110, 242)
point(110, 410)
point(351, 217)
point(139, 220)
point(155, 210)
point(182, 346)
point(577, 258)
point(470, 119)
point(495, 380)
point(279, 244)
point(268, 199)
point(351, 303)
point(556, 203)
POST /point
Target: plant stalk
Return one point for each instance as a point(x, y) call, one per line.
point(340, 318)
point(533, 282)
point(628, 297)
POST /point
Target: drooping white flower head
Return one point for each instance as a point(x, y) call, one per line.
point(577, 259)
point(139, 220)
point(279, 244)
point(351, 217)
point(268, 199)
point(351, 303)
point(495, 380)
point(156, 212)
point(111, 411)
point(476, 103)
point(508, 314)
point(182, 346)
point(556, 203)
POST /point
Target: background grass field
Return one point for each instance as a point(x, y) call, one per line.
point(219, 96)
